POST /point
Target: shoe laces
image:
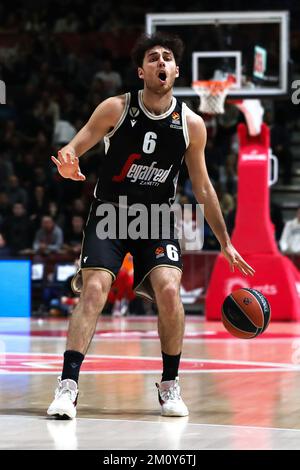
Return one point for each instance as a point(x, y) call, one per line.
point(171, 393)
point(64, 389)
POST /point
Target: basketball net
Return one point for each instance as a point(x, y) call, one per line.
point(212, 94)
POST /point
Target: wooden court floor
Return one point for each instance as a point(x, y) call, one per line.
point(242, 394)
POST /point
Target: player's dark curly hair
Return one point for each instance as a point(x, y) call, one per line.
point(146, 42)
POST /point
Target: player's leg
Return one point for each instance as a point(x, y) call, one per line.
point(95, 289)
point(157, 276)
point(165, 282)
point(101, 259)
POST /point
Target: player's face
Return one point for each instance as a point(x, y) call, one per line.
point(159, 69)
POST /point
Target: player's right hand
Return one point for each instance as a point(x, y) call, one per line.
point(68, 166)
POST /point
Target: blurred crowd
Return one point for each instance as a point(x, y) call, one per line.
point(51, 92)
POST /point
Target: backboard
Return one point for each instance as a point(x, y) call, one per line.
point(253, 46)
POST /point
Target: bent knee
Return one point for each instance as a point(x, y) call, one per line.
point(168, 292)
point(94, 293)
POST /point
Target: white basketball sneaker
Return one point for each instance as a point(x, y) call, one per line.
point(170, 399)
point(64, 403)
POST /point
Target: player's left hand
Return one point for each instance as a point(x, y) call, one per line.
point(236, 261)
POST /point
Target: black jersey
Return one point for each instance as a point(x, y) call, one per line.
point(144, 153)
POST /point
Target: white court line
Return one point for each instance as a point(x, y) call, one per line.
point(143, 372)
point(158, 358)
point(257, 428)
point(57, 358)
point(124, 339)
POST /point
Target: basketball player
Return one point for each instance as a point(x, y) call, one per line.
point(146, 134)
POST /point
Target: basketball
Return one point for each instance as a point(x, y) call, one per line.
point(246, 313)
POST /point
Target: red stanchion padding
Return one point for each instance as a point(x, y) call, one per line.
point(276, 276)
point(254, 231)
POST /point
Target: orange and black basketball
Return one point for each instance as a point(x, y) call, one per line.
point(246, 313)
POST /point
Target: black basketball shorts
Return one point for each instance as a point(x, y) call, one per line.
point(108, 254)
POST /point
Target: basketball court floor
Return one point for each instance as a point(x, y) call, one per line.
point(242, 394)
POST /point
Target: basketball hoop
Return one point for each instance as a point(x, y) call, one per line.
point(212, 94)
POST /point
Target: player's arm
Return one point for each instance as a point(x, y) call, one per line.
point(205, 193)
point(103, 119)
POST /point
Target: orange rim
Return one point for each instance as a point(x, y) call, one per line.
point(215, 86)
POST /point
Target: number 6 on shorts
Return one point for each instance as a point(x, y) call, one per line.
point(172, 252)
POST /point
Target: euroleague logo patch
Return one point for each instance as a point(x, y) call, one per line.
point(159, 252)
point(247, 301)
point(176, 124)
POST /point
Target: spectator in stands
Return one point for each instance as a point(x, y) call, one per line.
point(79, 207)
point(226, 131)
point(39, 177)
point(6, 170)
point(4, 206)
point(73, 236)
point(89, 187)
point(49, 238)
point(33, 23)
point(191, 238)
point(210, 241)
point(111, 79)
point(277, 219)
point(230, 217)
point(4, 248)
point(66, 24)
point(17, 229)
point(226, 200)
point(42, 146)
point(25, 169)
point(15, 192)
point(57, 215)
point(280, 143)
point(38, 204)
point(69, 107)
point(188, 192)
point(98, 92)
point(8, 133)
point(214, 159)
point(290, 238)
point(231, 172)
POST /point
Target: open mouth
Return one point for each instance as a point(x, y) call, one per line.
point(162, 76)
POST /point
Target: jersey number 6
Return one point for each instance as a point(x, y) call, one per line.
point(149, 142)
